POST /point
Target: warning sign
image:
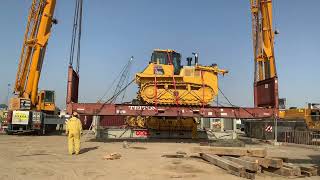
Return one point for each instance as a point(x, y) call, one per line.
point(20, 117)
point(268, 128)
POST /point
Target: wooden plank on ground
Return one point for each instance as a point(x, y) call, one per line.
point(223, 163)
point(284, 159)
point(231, 167)
point(246, 175)
point(249, 165)
point(318, 169)
point(306, 173)
point(265, 162)
point(283, 171)
point(249, 175)
point(274, 162)
point(309, 170)
point(296, 170)
point(257, 152)
point(231, 151)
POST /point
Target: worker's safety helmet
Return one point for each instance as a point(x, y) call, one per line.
point(75, 114)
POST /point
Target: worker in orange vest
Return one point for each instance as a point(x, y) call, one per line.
point(74, 131)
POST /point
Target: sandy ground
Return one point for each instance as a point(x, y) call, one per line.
point(45, 157)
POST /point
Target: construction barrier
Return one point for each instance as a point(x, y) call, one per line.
point(265, 129)
point(302, 137)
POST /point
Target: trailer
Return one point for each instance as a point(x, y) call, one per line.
point(109, 120)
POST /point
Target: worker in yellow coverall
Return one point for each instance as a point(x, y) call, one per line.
point(74, 131)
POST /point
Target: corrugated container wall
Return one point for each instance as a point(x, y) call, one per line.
point(112, 121)
point(105, 121)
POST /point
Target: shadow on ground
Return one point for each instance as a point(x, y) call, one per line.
point(85, 150)
point(36, 154)
point(137, 147)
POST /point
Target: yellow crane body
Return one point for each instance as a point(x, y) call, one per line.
point(36, 38)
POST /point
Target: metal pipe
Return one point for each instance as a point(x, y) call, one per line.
point(196, 58)
point(189, 60)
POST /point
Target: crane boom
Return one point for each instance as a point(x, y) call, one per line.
point(26, 51)
point(265, 78)
point(263, 39)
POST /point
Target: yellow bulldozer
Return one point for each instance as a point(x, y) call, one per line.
point(166, 82)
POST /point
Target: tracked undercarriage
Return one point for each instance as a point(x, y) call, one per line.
point(182, 93)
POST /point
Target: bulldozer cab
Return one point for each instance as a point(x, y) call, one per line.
point(167, 57)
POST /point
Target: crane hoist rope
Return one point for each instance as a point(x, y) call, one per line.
point(75, 50)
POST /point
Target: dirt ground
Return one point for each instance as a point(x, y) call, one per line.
point(45, 157)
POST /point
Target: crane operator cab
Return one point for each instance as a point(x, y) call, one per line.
point(46, 101)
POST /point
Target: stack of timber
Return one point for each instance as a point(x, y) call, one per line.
point(247, 162)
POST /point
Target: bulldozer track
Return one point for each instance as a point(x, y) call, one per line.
point(187, 97)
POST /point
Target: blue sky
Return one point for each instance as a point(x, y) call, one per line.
point(220, 30)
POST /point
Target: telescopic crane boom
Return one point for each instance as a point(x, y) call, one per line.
point(265, 79)
point(36, 38)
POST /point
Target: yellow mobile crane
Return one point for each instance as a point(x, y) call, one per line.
point(27, 99)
